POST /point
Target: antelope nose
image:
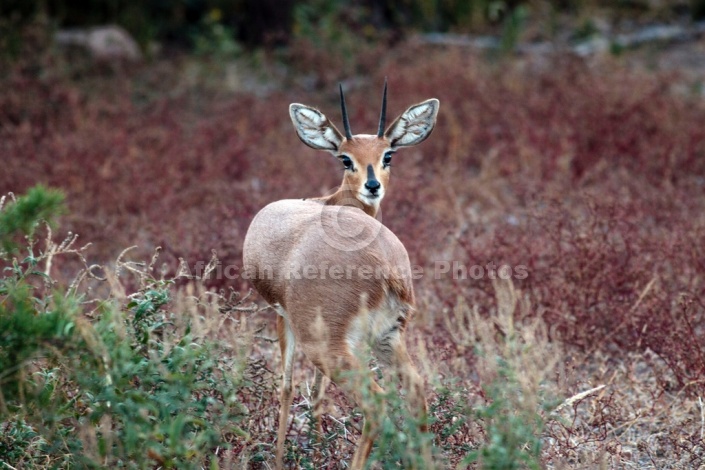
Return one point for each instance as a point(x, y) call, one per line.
point(372, 185)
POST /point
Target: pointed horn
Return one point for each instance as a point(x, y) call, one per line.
point(383, 114)
point(346, 123)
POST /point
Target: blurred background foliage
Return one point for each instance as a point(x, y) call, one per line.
point(584, 171)
point(272, 23)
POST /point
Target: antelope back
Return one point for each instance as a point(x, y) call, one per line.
point(309, 257)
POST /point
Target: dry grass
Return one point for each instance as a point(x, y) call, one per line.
point(588, 174)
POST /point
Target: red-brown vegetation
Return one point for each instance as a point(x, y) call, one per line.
point(591, 175)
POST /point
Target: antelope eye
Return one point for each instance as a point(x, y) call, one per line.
point(387, 160)
point(347, 162)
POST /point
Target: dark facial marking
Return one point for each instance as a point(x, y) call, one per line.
point(372, 184)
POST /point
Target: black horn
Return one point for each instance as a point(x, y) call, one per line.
point(346, 123)
point(383, 114)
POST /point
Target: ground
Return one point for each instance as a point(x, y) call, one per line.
point(587, 173)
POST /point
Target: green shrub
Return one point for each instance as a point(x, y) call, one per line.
point(400, 443)
point(23, 216)
point(513, 432)
point(515, 363)
point(133, 381)
point(214, 39)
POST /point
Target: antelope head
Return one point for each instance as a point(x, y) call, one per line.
point(366, 159)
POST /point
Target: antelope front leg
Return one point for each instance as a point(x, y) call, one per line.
point(391, 351)
point(411, 381)
point(370, 425)
point(320, 383)
point(287, 343)
point(370, 428)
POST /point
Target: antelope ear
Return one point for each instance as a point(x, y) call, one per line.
point(314, 129)
point(414, 125)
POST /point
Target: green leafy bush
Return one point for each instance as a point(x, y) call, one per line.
point(401, 442)
point(515, 364)
point(125, 381)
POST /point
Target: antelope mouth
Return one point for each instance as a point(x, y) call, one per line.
point(370, 199)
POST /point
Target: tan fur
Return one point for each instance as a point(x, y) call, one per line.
point(338, 278)
point(363, 150)
point(299, 235)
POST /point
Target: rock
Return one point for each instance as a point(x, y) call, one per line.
point(109, 42)
point(597, 44)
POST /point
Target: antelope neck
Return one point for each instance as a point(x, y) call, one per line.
point(344, 197)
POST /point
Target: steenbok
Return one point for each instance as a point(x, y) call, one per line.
point(339, 280)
